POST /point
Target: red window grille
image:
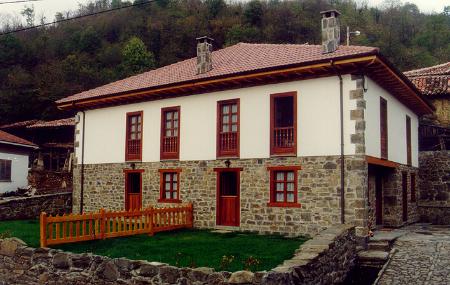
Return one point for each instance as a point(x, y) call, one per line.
point(170, 133)
point(283, 186)
point(134, 136)
point(283, 123)
point(228, 128)
point(170, 185)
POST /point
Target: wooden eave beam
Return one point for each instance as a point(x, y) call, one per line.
point(381, 162)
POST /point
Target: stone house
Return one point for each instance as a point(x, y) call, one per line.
point(14, 152)
point(273, 138)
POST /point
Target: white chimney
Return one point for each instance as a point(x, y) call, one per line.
point(331, 33)
point(204, 50)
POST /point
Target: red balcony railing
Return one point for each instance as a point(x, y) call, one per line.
point(170, 145)
point(284, 139)
point(228, 143)
point(134, 149)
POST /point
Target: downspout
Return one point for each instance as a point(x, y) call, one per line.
point(82, 164)
point(341, 113)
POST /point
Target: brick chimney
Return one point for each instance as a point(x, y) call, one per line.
point(331, 33)
point(204, 50)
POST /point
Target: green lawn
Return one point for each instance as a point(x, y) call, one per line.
point(180, 248)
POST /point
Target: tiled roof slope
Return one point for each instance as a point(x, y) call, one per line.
point(239, 58)
point(19, 124)
point(52, 124)
point(434, 80)
point(8, 138)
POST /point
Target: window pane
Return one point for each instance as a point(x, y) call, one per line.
point(234, 108)
point(168, 125)
point(167, 195)
point(175, 176)
point(280, 186)
point(167, 177)
point(167, 187)
point(133, 128)
point(225, 109)
point(168, 133)
point(175, 133)
point(280, 176)
point(280, 197)
point(169, 116)
point(139, 128)
point(226, 118)
point(225, 128)
point(138, 136)
point(234, 128)
point(290, 197)
point(175, 124)
point(290, 176)
point(133, 136)
point(174, 195)
point(284, 111)
point(139, 119)
point(290, 187)
point(234, 118)
point(133, 120)
point(175, 115)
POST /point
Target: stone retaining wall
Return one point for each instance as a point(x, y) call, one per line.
point(324, 260)
point(16, 208)
point(434, 186)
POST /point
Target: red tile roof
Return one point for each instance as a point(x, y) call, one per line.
point(11, 139)
point(19, 124)
point(236, 59)
point(434, 80)
point(52, 124)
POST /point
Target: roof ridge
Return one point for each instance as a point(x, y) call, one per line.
point(412, 72)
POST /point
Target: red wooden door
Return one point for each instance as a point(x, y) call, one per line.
point(228, 207)
point(133, 190)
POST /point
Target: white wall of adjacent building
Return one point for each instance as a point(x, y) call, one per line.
point(318, 125)
point(19, 171)
point(396, 118)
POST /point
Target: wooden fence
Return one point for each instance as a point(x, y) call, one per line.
point(105, 224)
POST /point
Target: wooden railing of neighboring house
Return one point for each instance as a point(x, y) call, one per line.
point(433, 138)
point(104, 224)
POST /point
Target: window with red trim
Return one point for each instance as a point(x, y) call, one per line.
point(133, 148)
point(228, 128)
point(283, 186)
point(170, 186)
point(170, 133)
point(283, 123)
point(383, 129)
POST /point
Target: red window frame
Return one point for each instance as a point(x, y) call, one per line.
point(273, 186)
point(170, 145)
point(133, 147)
point(280, 136)
point(408, 141)
point(162, 189)
point(228, 141)
point(383, 128)
point(413, 187)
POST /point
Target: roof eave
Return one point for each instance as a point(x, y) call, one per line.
point(19, 144)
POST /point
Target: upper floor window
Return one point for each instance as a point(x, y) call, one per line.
point(170, 185)
point(5, 170)
point(228, 128)
point(170, 133)
point(283, 186)
point(283, 123)
point(134, 136)
point(383, 129)
point(408, 141)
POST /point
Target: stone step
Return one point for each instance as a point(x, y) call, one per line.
point(379, 245)
point(372, 258)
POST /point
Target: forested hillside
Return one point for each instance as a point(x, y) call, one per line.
point(42, 65)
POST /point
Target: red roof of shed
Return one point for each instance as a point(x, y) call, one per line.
point(11, 139)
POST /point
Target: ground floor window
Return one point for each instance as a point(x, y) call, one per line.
point(283, 186)
point(170, 185)
point(5, 170)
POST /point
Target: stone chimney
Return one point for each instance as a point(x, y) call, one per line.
point(204, 50)
point(331, 33)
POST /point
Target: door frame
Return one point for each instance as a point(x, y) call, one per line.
point(126, 172)
point(219, 171)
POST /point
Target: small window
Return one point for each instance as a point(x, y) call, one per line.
point(5, 170)
point(170, 133)
point(283, 186)
point(408, 141)
point(383, 129)
point(133, 147)
point(283, 123)
point(413, 187)
point(170, 185)
point(228, 128)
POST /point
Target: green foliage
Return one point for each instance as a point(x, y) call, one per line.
point(49, 63)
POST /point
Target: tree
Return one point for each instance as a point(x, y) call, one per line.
point(253, 13)
point(28, 13)
point(136, 57)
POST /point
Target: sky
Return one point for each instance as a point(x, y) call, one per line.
point(48, 8)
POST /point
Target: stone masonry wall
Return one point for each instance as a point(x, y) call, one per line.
point(434, 185)
point(318, 192)
point(325, 259)
point(30, 207)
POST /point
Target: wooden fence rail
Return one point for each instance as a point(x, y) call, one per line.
point(105, 224)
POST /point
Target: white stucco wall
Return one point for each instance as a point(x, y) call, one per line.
point(19, 172)
point(318, 124)
point(396, 125)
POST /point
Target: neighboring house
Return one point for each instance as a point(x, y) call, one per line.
point(14, 152)
point(274, 138)
point(434, 83)
point(51, 163)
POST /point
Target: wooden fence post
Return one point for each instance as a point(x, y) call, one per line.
point(150, 216)
point(43, 231)
point(102, 224)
